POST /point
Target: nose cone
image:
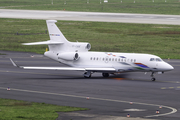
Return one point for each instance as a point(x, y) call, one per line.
point(168, 67)
point(163, 66)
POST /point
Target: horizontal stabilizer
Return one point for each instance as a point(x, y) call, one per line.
point(44, 43)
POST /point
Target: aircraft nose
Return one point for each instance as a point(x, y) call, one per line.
point(169, 67)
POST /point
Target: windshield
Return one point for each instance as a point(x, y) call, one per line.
point(156, 59)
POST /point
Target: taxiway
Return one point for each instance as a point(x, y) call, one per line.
point(105, 97)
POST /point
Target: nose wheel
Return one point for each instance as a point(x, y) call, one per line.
point(153, 78)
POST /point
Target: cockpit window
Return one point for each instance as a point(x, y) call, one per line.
point(156, 59)
point(152, 59)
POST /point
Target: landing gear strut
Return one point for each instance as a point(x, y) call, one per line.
point(105, 74)
point(153, 78)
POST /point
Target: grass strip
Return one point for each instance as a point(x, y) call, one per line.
point(118, 6)
point(17, 110)
point(161, 40)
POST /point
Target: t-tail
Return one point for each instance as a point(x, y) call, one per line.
point(59, 46)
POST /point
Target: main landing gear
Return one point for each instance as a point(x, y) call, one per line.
point(153, 78)
point(105, 74)
point(87, 74)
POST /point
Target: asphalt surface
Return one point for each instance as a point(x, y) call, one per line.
point(91, 16)
point(107, 98)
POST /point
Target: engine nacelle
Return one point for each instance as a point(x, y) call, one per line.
point(80, 46)
point(70, 56)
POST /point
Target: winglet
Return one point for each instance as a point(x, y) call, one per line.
point(14, 64)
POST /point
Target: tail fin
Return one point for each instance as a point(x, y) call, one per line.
point(57, 40)
point(54, 33)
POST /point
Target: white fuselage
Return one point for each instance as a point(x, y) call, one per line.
point(122, 62)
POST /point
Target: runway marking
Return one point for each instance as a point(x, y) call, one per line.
point(170, 87)
point(111, 100)
point(163, 88)
point(170, 81)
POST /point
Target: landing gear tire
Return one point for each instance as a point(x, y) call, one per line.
point(153, 79)
point(87, 74)
point(105, 74)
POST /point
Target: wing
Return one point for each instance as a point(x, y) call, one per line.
point(65, 68)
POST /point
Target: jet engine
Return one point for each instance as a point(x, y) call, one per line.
point(80, 46)
point(70, 56)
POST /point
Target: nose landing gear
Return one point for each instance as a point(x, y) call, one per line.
point(153, 78)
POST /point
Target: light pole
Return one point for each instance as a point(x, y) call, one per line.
point(52, 2)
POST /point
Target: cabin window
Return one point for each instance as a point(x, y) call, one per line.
point(119, 60)
point(109, 59)
point(103, 59)
point(91, 58)
point(106, 59)
point(94, 58)
point(113, 59)
point(116, 59)
point(134, 60)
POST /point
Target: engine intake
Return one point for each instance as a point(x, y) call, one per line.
point(88, 46)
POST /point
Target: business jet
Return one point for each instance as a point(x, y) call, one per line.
point(77, 56)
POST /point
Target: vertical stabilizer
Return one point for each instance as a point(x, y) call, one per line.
point(54, 33)
point(56, 36)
